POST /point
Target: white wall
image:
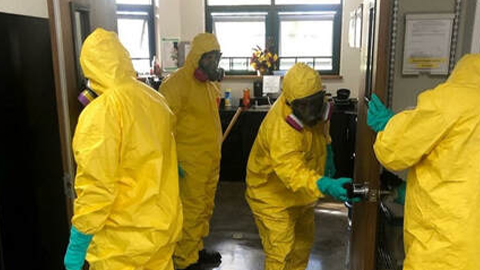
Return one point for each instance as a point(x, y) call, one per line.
point(167, 20)
point(192, 18)
point(475, 42)
point(35, 8)
point(170, 18)
point(103, 14)
point(349, 57)
point(182, 19)
point(186, 18)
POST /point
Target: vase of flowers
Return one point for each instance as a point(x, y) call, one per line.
point(263, 61)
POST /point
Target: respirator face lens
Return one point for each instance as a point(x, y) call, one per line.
point(209, 65)
point(312, 109)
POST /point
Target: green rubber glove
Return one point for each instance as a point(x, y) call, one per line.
point(330, 169)
point(401, 192)
point(378, 115)
point(181, 172)
point(77, 249)
point(334, 187)
point(354, 200)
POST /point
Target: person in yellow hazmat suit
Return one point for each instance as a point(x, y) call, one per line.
point(285, 170)
point(127, 214)
point(439, 142)
point(191, 93)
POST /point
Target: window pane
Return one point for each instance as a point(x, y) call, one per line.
point(320, 63)
point(224, 63)
point(238, 63)
point(133, 33)
point(307, 61)
point(131, 12)
point(238, 38)
point(323, 64)
point(286, 63)
point(306, 38)
point(306, 2)
point(237, 2)
point(134, 2)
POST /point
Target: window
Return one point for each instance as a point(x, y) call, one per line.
point(136, 31)
point(237, 2)
point(134, 2)
point(304, 2)
point(307, 31)
point(307, 38)
point(238, 33)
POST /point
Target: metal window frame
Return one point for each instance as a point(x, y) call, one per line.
point(272, 25)
point(148, 16)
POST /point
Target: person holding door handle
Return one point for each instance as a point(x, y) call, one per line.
point(286, 170)
point(439, 142)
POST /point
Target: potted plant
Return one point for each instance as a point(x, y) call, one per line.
point(263, 61)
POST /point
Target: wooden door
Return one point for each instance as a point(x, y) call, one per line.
point(70, 22)
point(374, 68)
point(66, 87)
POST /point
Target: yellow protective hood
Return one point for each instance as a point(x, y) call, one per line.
point(467, 70)
point(301, 81)
point(438, 141)
point(201, 44)
point(104, 60)
point(198, 136)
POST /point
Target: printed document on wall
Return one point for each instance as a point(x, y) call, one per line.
point(427, 43)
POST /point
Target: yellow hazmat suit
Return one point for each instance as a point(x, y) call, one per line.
point(282, 172)
point(439, 141)
point(127, 182)
point(198, 134)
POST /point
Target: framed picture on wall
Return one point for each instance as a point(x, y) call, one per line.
point(358, 26)
point(170, 53)
point(355, 27)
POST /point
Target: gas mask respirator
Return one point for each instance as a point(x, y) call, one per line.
point(208, 67)
point(310, 110)
point(213, 76)
point(87, 95)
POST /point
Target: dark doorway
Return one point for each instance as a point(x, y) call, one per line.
point(33, 222)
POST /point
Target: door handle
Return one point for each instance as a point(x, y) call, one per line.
point(367, 100)
point(364, 192)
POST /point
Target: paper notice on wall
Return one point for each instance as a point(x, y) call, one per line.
point(187, 48)
point(170, 54)
point(427, 43)
point(271, 84)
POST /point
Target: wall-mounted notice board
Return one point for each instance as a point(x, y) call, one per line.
point(427, 43)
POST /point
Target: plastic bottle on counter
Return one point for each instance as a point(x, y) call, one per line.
point(228, 101)
point(246, 98)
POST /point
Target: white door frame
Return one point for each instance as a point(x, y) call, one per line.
point(475, 46)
